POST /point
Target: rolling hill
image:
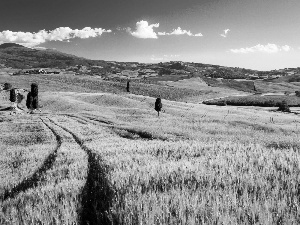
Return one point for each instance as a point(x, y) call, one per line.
point(20, 57)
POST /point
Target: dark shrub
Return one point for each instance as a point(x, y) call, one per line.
point(20, 98)
point(222, 103)
point(29, 101)
point(284, 107)
point(297, 93)
point(158, 105)
point(13, 95)
point(7, 86)
point(34, 90)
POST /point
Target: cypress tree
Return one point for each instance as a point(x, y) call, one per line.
point(35, 102)
point(34, 94)
point(29, 101)
point(158, 105)
point(127, 87)
point(13, 95)
point(34, 90)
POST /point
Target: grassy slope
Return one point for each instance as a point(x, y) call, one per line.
point(194, 164)
point(276, 87)
point(198, 84)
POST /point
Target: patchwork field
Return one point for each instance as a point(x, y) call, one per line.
point(98, 155)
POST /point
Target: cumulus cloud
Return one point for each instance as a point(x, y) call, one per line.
point(59, 34)
point(144, 30)
point(179, 31)
point(269, 48)
point(225, 33)
point(286, 48)
point(198, 35)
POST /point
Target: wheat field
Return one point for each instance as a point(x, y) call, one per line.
point(103, 158)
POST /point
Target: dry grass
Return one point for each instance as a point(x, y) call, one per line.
point(195, 164)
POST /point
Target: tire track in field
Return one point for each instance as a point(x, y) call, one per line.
point(32, 181)
point(90, 119)
point(97, 194)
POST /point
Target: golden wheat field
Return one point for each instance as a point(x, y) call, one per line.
point(104, 158)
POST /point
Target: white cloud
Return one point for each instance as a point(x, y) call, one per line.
point(59, 34)
point(144, 30)
point(225, 33)
point(162, 33)
point(179, 31)
point(198, 35)
point(286, 48)
point(269, 48)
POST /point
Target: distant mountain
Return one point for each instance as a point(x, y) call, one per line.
point(20, 57)
point(9, 45)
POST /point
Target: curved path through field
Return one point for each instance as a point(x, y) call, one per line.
point(97, 194)
point(32, 181)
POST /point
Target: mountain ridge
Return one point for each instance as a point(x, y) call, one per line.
point(20, 57)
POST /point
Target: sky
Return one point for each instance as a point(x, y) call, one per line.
point(253, 34)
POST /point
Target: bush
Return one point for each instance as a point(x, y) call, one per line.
point(7, 86)
point(297, 93)
point(222, 103)
point(284, 107)
point(20, 98)
point(13, 95)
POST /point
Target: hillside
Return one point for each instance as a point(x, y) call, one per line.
point(20, 57)
point(93, 157)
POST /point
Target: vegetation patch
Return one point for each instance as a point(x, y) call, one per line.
point(134, 134)
point(256, 100)
point(246, 86)
point(284, 145)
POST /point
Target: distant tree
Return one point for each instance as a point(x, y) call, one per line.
point(127, 87)
point(177, 66)
point(164, 71)
point(34, 94)
point(29, 101)
point(254, 88)
point(32, 101)
point(158, 105)
point(34, 89)
point(13, 95)
point(284, 107)
point(297, 93)
point(7, 86)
